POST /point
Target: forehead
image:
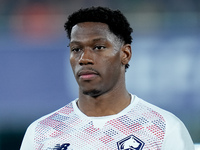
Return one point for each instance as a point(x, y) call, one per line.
point(87, 30)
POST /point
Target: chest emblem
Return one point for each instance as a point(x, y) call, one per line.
point(130, 143)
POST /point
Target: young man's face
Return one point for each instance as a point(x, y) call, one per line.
point(95, 57)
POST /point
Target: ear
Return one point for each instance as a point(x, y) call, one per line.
point(126, 54)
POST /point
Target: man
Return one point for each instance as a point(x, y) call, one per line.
point(106, 115)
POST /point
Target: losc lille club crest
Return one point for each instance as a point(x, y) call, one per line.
point(130, 143)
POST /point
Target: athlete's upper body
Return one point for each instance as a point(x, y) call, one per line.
point(139, 126)
point(100, 50)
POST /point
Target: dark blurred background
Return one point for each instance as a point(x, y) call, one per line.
point(36, 78)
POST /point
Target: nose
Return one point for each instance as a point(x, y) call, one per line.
point(86, 58)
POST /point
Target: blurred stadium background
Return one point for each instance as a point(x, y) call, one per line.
point(36, 78)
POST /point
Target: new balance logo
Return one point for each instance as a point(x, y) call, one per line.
point(130, 143)
point(62, 147)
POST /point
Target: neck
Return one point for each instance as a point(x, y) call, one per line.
point(109, 103)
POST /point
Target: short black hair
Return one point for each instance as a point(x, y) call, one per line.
point(115, 20)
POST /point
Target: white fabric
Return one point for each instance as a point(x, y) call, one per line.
point(197, 146)
point(140, 126)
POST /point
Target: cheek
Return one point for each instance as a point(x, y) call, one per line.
point(73, 63)
point(71, 60)
point(113, 61)
point(111, 65)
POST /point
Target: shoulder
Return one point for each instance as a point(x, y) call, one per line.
point(168, 117)
point(65, 110)
point(176, 135)
point(44, 121)
point(171, 121)
point(156, 111)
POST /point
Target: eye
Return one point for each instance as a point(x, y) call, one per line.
point(75, 49)
point(99, 47)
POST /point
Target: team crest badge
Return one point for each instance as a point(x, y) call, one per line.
point(130, 143)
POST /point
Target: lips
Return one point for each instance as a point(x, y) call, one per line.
point(87, 74)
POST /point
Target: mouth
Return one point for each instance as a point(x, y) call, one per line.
point(88, 74)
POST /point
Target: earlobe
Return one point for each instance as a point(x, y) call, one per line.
point(126, 54)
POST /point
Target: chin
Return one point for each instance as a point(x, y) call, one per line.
point(92, 93)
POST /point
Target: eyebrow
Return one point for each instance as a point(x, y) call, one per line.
point(99, 39)
point(94, 40)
